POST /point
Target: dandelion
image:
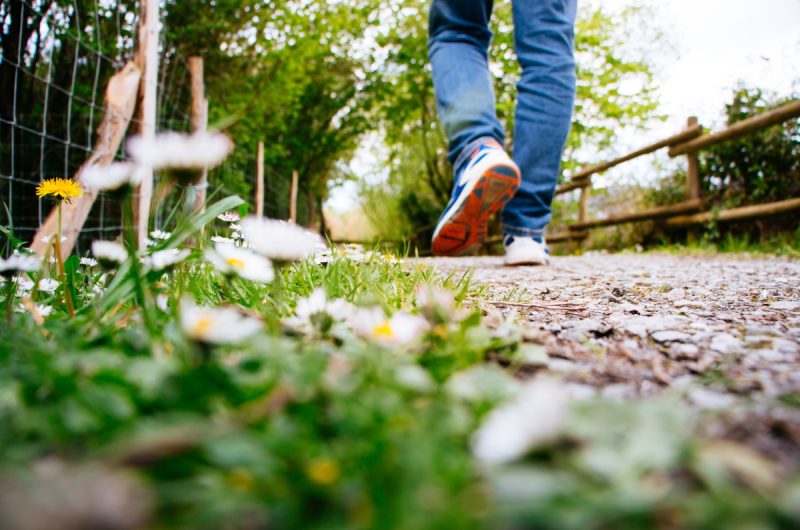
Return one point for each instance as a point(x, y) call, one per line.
point(109, 253)
point(280, 240)
point(164, 259)
point(110, 177)
point(535, 417)
point(229, 217)
point(59, 189)
point(216, 325)
point(18, 263)
point(181, 151)
point(401, 329)
point(160, 235)
point(88, 262)
point(323, 471)
point(230, 259)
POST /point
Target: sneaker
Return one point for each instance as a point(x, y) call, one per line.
point(525, 251)
point(483, 186)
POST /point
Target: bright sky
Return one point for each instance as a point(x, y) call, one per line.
point(717, 44)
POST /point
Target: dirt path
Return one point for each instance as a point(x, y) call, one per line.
point(723, 330)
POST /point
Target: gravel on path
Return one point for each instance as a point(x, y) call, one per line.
point(723, 330)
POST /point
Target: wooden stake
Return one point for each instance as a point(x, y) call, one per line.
point(293, 198)
point(147, 57)
point(199, 121)
point(692, 172)
point(260, 180)
point(120, 102)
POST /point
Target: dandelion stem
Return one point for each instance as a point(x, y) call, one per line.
point(60, 261)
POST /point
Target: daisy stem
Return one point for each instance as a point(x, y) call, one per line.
point(10, 288)
point(60, 261)
point(131, 244)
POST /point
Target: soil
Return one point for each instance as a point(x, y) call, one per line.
point(724, 331)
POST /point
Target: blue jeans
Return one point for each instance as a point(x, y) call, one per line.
point(543, 38)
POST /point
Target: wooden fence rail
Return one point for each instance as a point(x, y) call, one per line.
point(687, 142)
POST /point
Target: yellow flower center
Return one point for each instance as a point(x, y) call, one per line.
point(383, 330)
point(201, 326)
point(323, 471)
point(235, 263)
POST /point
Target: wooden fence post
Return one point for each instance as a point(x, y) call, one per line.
point(293, 198)
point(693, 172)
point(148, 61)
point(199, 122)
point(260, 180)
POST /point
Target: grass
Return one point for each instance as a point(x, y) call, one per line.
point(319, 420)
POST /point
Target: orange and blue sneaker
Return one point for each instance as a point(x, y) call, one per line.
point(484, 184)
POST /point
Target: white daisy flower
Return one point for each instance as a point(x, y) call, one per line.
point(402, 328)
point(160, 235)
point(162, 302)
point(48, 239)
point(216, 325)
point(535, 417)
point(166, 258)
point(315, 305)
point(236, 236)
point(181, 151)
point(24, 285)
point(19, 263)
point(280, 240)
point(229, 217)
point(88, 262)
point(110, 177)
point(109, 252)
point(42, 311)
point(48, 285)
point(230, 259)
point(220, 239)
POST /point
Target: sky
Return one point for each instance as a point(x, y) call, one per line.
point(713, 46)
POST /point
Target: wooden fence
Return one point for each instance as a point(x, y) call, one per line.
point(692, 210)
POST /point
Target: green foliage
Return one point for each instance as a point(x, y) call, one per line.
point(763, 166)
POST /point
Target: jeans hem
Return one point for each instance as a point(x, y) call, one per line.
point(521, 231)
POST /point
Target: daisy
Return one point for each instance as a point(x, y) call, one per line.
point(316, 306)
point(110, 177)
point(24, 285)
point(160, 235)
point(48, 285)
point(43, 311)
point(181, 151)
point(164, 259)
point(220, 239)
point(535, 417)
point(19, 263)
point(59, 189)
point(88, 262)
point(47, 239)
point(109, 253)
point(230, 259)
point(216, 325)
point(229, 217)
point(280, 240)
point(402, 328)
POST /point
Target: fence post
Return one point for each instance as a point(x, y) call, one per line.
point(583, 205)
point(693, 172)
point(148, 62)
point(293, 198)
point(199, 122)
point(260, 180)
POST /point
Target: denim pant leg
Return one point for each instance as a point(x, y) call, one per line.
point(543, 37)
point(458, 50)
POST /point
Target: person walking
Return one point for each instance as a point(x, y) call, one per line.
point(487, 180)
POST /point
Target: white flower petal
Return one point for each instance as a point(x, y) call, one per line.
point(216, 325)
point(280, 240)
point(181, 151)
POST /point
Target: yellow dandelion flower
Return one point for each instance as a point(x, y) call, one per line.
point(59, 189)
point(323, 471)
